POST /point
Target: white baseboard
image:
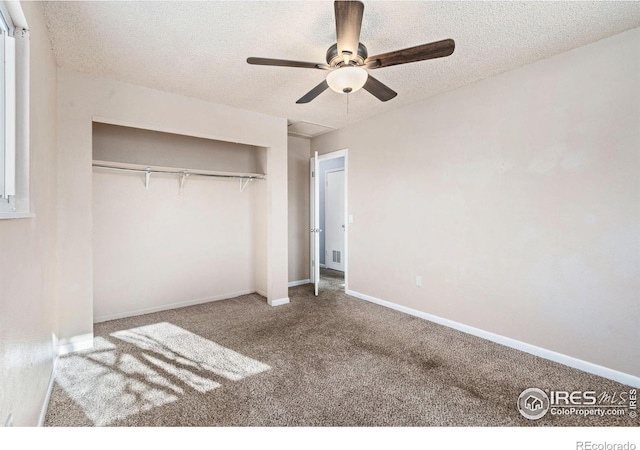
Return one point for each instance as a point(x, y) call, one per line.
point(299, 282)
point(47, 397)
point(279, 301)
point(75, 344)
point(276, 302)
point(570, 361)
point(259, 292)
point(139, 312)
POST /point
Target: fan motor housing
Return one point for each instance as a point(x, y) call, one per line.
point(336, 60)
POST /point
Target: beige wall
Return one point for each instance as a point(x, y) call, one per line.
point(516, 198)
point(260, 234)
point(83, 99)
point(298, 178)
point(28, 251)
point(136, 146)
point(155, 249)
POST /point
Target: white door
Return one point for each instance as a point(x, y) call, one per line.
point(315, 222)
point(334, 220)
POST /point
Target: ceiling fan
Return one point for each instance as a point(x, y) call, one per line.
point(348, 60)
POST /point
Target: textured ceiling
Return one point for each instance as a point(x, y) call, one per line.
point(199, 49)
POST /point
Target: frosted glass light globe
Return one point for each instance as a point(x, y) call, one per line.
point(347, 79)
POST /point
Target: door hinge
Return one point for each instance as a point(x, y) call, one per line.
point(313, 174)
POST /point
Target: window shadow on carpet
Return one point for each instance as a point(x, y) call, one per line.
point(142, 368)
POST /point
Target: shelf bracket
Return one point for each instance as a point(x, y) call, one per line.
point(183, 178)
point(147, 177)
point(244, 183)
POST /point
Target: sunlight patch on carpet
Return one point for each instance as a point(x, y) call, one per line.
point(147, 367)
point(188, 349)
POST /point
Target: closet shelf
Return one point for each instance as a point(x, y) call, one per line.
point(244, 178)
point(174, 170)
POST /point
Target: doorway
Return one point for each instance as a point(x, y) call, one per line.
point(328, 249)
point(334, 223)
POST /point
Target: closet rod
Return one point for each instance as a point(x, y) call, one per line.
point(182, 172)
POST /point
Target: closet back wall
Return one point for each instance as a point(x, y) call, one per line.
point(154, 249)
point(137, 146)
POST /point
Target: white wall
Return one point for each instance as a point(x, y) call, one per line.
point(28, 308)
point(516, 198)
point(83, 99)
point(298, 180)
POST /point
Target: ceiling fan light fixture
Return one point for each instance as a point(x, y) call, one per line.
point(348, 58)
point(347, 79)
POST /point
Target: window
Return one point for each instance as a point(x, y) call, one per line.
point(7, 113)
point(14, 112)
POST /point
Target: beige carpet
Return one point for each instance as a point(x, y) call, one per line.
point(327, 361)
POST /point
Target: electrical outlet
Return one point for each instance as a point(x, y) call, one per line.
point(9, 422)
point(419, 280)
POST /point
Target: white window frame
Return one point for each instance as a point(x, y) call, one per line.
point(14, 110)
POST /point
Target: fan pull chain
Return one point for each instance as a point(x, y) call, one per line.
point(347, 103)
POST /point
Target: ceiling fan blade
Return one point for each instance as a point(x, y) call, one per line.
point(313, 93)
point(379, 90)
point(286, 63)
point(348, 24)
point(419, 53)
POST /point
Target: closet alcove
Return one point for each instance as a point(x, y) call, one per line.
point(177, 220)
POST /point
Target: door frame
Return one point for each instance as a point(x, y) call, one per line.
point(325, 156)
